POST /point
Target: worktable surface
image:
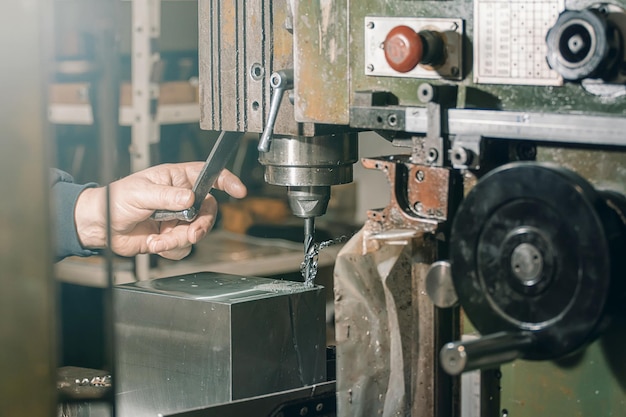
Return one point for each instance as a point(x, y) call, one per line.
point(220, 251)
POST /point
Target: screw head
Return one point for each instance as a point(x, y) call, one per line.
point(433, 155)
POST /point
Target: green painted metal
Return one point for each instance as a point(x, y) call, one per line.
point(570, 97)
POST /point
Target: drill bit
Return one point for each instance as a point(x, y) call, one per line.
point(309, 267)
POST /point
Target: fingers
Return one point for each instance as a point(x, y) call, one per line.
point(176, 254)
point(150, 196)
point(174, 240)
point(230, 183)
point(168, 186)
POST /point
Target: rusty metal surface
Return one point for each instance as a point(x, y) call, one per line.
point(241, 44)
point(429, 191)
point(421, 196)
point(321, 44)
point(435, 392)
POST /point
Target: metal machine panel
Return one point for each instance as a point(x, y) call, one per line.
point(202, 339)
point(323, 56)
point(240, 45)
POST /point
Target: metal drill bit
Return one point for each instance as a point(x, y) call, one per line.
point(309, 267)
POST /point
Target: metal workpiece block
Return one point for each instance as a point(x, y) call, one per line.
point(208, 338)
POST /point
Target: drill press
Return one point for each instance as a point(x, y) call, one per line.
point(307, 166)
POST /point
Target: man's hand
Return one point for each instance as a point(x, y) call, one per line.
point(134, 198)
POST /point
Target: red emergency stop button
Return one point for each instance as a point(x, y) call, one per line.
point(403, 48)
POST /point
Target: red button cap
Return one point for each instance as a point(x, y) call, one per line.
point(403, 48)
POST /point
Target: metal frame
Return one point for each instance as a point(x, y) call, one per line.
point(571, 128)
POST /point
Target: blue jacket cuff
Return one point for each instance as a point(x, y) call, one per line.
point(64, 196)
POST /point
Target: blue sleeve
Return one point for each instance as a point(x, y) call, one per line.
point(64, 194)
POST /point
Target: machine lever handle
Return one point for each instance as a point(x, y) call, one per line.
point(280, 81)
point(485, 352)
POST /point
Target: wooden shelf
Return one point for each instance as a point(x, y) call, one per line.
point(81, 114)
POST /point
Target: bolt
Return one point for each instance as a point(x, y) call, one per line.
point(370, 67)
point(319, 407)
point(433, 155)
point(419, 175)
point(454, 27)
point(418, 207)
point(304, 411)
point(256, 71)
point(454, 71)
point(370, 25)
point(426, 93)
point(392, 119)
point(461, 156)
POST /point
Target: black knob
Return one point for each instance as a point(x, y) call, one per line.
point(582, 44)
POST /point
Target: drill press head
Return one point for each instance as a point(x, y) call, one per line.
point(308, 166)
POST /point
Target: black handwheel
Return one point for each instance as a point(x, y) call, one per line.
point(537, 251)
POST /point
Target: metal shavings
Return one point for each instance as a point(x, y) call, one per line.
point(308, 267)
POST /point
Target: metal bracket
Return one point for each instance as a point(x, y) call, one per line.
point(427, 198)
point(430, 150)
